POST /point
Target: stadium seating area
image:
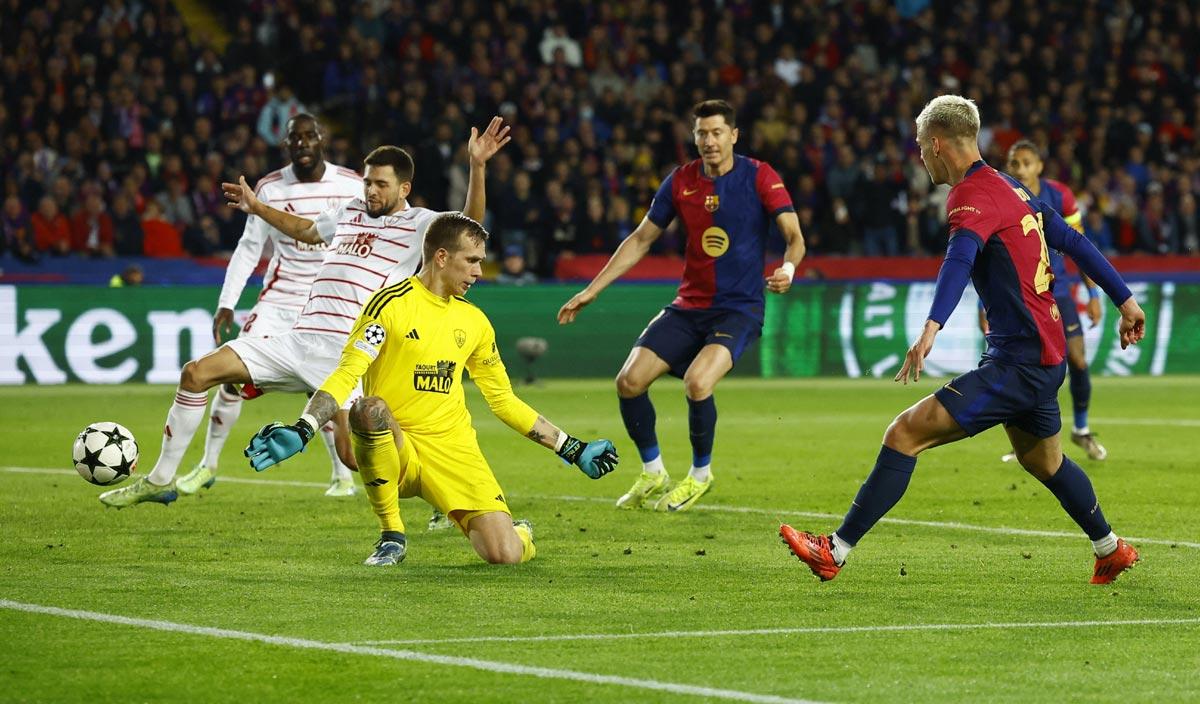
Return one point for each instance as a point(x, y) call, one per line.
point(120, 119)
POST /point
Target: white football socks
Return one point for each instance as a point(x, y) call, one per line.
point(226, 408)
point(840, 548)
point(182, 421)
point(1106, 545)
point(339, 470)
point(701, 474)
point(1083, 431)
point(654, 466)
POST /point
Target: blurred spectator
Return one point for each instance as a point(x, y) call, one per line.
point(1096, 228)
point(272, 121)
point(161, 237)
point(51, 229)
point(127, 227)
point(1158, 233)
point(92, 228)
point(512, 268)
point(1189, 225)
point(175, 205)
point(131, 275)
point(18, 231)
point(204, 239)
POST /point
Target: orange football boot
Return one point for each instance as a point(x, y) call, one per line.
point(816, 551)
point(1110, 566)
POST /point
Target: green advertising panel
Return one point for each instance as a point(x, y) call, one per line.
point(52, 335)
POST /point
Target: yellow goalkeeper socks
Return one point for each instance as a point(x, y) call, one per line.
point(528, 549)
point(379, 465)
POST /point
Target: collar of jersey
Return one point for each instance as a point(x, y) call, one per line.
point(975, 167)
point(430, 296)
point(737, 162)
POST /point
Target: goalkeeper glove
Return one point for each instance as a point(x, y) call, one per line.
point(595, 458)
point(276, 442)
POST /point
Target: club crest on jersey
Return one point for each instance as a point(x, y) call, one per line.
point(460, 337)
point(715, 241)
point(712, 202)
point(435, 378)
point(360, 246)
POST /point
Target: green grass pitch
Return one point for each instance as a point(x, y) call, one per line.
point(254, 591)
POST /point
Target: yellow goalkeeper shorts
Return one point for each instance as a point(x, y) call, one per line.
point(450, 472)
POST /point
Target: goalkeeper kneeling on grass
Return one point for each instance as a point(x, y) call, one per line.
point(411, 432)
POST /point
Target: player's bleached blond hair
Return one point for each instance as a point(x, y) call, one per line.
point(951, 115)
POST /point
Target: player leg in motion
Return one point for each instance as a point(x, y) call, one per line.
point(998, 232)
point(412, 435)
point(305, 187)
point(1025, 163)
point(727, 204)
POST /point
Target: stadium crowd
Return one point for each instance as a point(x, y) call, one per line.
point(118, 123)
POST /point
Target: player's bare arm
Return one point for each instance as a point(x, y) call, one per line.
point(239, 195)
point(781, 279)
point(321, 408)
point(481, 147)
point(628, 253)
point(914, 360)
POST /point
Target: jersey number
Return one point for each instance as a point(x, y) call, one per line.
point(1043, 276)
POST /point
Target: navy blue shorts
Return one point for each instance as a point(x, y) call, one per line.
point(677, 335)
point(1020, 395)
point(1070, 315)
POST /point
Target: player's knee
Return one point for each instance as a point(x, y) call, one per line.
point(628, 386)
point(899, 436)
point(697, 389)
point(192, 378)
point(369, 414)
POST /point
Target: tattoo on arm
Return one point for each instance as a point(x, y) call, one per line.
point(321, 406)
point(543, 433)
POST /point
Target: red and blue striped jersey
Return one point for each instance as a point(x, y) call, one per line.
point(726, 221)
point(1011, 272)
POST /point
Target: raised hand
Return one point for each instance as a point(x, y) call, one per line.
point(483, 145)
point(240, 195)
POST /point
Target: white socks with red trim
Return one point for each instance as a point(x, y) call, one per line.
point(226, 408)
point(182, 421)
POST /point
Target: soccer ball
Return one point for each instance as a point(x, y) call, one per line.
point(105, 453)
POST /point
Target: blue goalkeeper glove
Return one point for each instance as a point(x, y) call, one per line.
point(276, 442)
point(595, 458)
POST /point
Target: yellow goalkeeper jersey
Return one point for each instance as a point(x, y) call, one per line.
point(410, 346)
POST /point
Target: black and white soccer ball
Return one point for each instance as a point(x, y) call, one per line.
point(105, 453)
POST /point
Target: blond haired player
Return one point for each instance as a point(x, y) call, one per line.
point(411, 432)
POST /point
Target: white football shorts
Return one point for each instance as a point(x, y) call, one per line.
point(293, 361)
point(266, 320)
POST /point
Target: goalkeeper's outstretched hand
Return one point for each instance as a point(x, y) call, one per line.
point(594, 459)
point(276, 442)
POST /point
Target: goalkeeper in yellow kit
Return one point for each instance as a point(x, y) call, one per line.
point(411, 431)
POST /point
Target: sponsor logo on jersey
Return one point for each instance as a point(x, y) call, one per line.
point(715, 241)
point(437, 378)
point(360, 246)
point(712, 202)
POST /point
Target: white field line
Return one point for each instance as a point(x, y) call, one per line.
point(792, 631)
point(506, 668)
point(946, 525)
point(717, 508)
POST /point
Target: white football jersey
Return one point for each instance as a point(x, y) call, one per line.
point(293, 264)
point(365, 254)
